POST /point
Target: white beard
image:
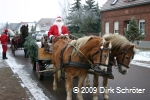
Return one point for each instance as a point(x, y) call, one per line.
point(59, 25)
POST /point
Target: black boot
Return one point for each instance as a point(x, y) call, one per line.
point(5, 56)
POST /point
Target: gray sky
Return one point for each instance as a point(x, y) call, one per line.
point(15, 11)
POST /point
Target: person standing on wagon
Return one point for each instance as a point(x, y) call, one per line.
point(57, 29)
point(4, 42)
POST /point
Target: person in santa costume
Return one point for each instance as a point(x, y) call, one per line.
point(4, 42)
point(57, 29)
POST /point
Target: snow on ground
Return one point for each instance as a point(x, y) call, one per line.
point(142, 58)
point(139, 58)
point(25, 77)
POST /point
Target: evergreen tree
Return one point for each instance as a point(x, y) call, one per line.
point(76, 6)
point(133, 33)
point(32, 48)
point(96, 27)
point(32, 29)
point(73, 27)
point(93, 27)
point(90, 5)
point(83, 19)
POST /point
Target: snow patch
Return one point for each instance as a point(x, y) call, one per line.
point(25, 77)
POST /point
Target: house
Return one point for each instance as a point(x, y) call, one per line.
point(116, 15)
point(30, 25)
point(43, 25)
point(15, 27)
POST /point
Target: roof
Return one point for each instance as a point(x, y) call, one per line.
point(45, 23)
point(117, 4)
point(16, 28)
point(13, 26)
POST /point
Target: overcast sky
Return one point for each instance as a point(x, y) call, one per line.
point(15, 11)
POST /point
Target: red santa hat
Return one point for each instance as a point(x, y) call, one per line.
point(58, 18)
point(6, 30)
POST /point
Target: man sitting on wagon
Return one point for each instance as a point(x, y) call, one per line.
point(57, 29)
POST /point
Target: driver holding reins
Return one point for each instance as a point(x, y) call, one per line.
point(57, 29)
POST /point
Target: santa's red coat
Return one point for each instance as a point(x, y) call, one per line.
point(54, 30)
point(4, 42)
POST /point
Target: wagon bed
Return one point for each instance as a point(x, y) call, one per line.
point(42, 55)
point(44, 62)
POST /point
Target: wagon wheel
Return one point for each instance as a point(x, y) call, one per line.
point(13, 50)
point(40, 74)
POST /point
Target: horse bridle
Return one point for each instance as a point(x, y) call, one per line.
point(101, 52)
point(124, 53)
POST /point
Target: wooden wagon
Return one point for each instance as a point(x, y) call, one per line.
point(16, 44)
point(43, 63)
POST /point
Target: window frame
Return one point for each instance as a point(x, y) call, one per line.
point(116, 27)
point(106, 28)
point(140, 27)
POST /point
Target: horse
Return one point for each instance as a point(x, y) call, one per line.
point(24, 33)
point(122, 52)
point(75, 57)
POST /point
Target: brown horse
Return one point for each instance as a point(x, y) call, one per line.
point(75, 57)
point(121, 55)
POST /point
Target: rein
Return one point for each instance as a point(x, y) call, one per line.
point(124, 53)
point(84, 64)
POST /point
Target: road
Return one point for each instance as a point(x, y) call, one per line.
point(137, 77)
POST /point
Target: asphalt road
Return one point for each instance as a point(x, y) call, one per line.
point(137, 79)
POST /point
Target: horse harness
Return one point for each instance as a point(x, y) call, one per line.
point(87, 64)
point(119, 64)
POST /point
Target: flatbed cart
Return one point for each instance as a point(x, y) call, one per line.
point(44, 62)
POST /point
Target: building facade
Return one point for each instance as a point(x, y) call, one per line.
point(43, 25)
point(116, 15)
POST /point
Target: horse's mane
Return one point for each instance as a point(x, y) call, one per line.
point(80, 41)
point(60, 37)
point(117, 40)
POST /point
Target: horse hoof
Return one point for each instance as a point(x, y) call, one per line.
point(95, 98)
point(106, 99)
point(54, 88)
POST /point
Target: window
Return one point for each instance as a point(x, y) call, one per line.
point(107, 28)
point(116, 27)
point(127, 27)
point(142, 25)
